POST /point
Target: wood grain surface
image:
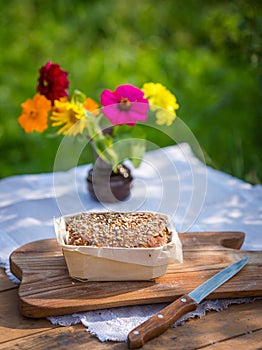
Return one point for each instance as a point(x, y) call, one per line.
point(237, 327)
point(46, 289)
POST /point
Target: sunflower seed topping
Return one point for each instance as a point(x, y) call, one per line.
point(116, 229)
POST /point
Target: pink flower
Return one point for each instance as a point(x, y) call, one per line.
point(125, 105)
point(52, 82)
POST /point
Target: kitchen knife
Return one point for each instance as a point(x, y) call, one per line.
point(160, 322)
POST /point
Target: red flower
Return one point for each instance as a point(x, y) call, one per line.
point(52, 82)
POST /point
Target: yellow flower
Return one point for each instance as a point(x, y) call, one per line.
point(35, 114)
point(70, 116)
point(163, 117)
point(162, 101)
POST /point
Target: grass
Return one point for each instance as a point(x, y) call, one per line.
point(207, 52)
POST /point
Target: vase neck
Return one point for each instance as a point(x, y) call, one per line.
point(99, 163)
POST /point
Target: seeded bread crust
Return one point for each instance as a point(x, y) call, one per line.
point(115, 229)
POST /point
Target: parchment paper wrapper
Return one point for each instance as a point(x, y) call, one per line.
point(88, 263)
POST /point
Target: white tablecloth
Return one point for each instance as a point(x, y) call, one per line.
point(170, 180)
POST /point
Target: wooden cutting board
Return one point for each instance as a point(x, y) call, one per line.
point(46, 288)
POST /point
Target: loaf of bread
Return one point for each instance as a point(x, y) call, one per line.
point(115, 229)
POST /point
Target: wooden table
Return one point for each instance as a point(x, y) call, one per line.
point(238, 327)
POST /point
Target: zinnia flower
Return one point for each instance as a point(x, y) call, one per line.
point(125, 105)
point(163, 117)
point(161, 98)
point(35, 114)
point(70, 116)
point(91, 106)
point(52, 82)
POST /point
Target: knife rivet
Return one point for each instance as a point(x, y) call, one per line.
point(160, 316)
point(183, 300)
point(136, 332)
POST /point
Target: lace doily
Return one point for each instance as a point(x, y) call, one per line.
point(115, 324)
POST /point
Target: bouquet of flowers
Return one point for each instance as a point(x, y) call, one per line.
point(113, 126)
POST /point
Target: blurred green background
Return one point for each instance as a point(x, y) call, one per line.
point(207, 52)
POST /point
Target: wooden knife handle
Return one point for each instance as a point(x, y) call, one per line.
point(160, 322)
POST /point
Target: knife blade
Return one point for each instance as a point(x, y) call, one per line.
point(161, 321)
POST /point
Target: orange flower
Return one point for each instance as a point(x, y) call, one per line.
point(35, 114)
point(91, 106)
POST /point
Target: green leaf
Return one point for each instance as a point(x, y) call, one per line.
point(78, 96)
point(129, 148)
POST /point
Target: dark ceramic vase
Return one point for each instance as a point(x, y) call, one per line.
point(106, 185)
point(109, 187)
